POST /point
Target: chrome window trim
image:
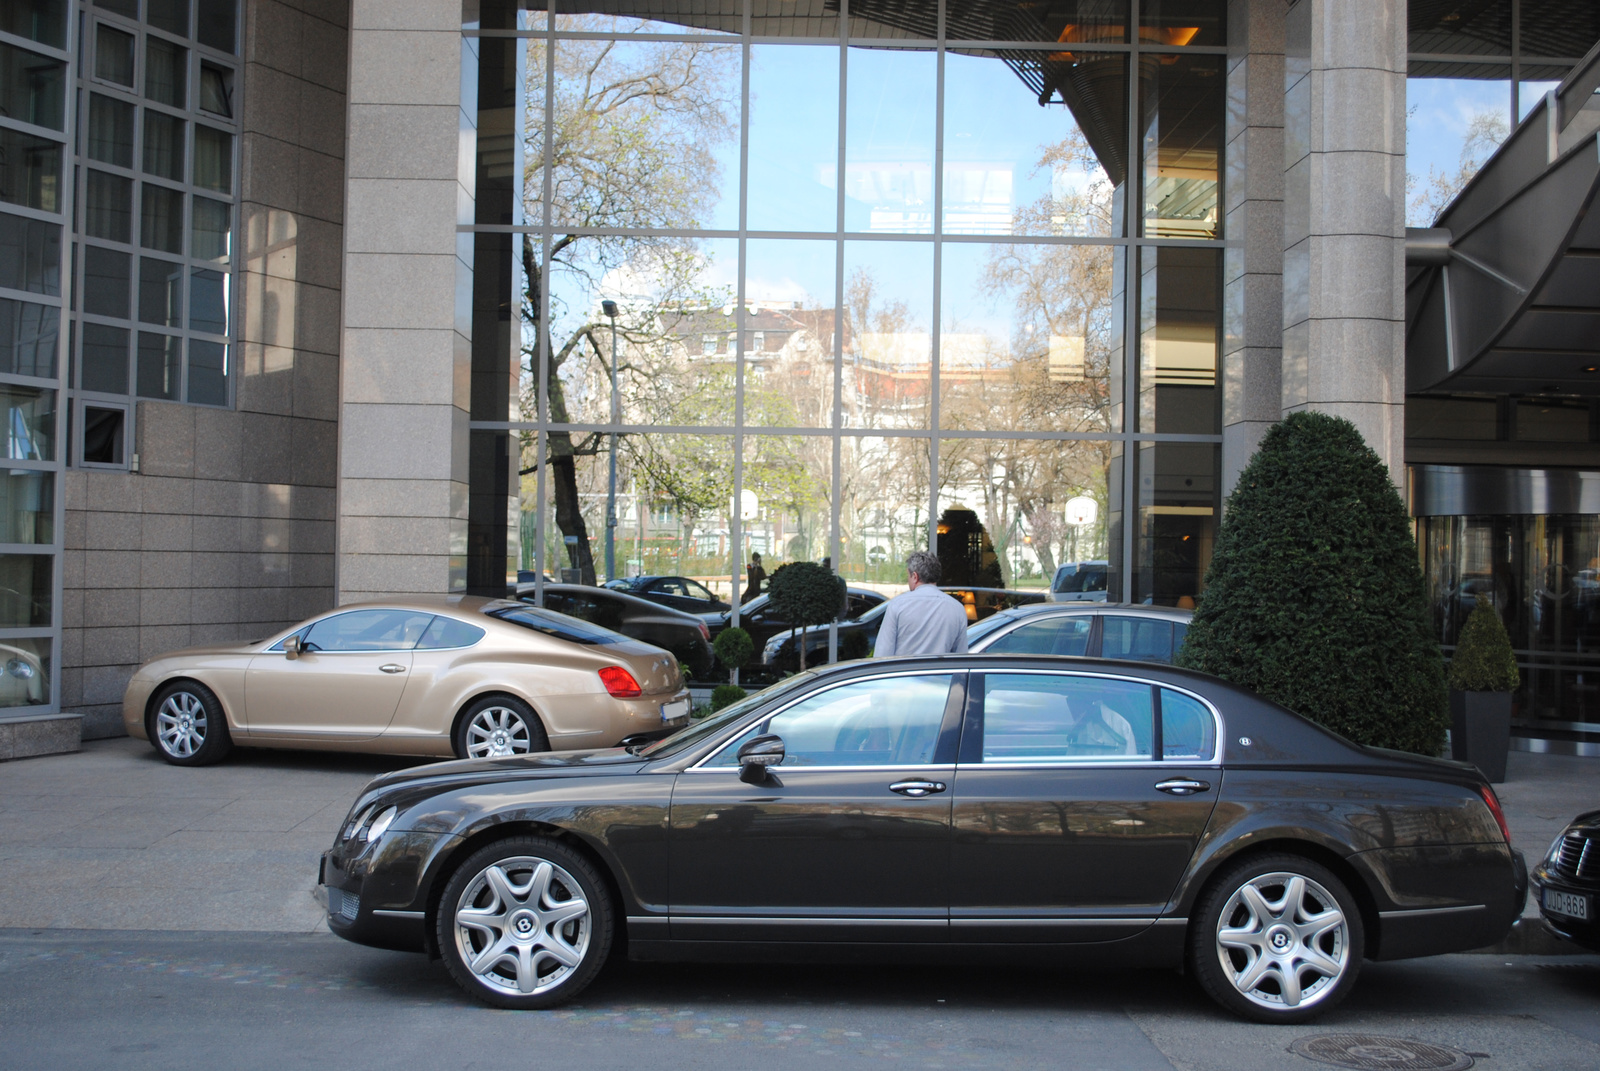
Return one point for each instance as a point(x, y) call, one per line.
point(949, 767)
point(1216, 721)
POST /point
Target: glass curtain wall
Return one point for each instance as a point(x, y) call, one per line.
point(36, 65)
point(838, 281)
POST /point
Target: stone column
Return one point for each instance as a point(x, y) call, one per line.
point(1344, 216)
point(1252, 332)
point(405, 375)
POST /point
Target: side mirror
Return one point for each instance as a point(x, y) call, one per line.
point(758, 754)
point(291, 647)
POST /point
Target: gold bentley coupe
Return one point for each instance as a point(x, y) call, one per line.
point(450, 676)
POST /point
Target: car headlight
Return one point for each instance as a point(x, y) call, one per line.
point(381, 824)
point(21, 670)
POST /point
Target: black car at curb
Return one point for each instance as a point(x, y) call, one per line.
point(1566, 883)
point(976, 808)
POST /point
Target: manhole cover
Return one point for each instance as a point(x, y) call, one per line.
point(1367, 1052)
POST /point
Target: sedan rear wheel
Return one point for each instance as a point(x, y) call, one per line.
point(1277, 939)
point(187, 725)
point(498, 726)
point(525, 923)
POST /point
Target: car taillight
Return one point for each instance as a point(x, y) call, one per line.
point(705, 631)
point(620, 683)
point(1494, 808)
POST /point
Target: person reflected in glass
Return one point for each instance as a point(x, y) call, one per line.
point(923, 621)
point(754, 576)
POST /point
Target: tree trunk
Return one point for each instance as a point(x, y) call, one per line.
point(802, 648)
point(569, 513)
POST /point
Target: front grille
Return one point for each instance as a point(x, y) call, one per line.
point(1576, 857)
point(346, 905)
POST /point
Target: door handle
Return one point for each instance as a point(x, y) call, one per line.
point(917, 788)
point(393, 668)
point(1182, 786)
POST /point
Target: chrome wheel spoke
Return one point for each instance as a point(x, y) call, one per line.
point(181, 725)
point(564, 912)
point(1283, 941)
point(513, 932)
point(1289, 985)
point(1319, 961)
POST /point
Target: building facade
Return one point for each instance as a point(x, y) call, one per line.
point(308, 302)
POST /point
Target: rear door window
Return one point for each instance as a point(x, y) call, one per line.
point(1051, 636)
point(1060, 717)
point(559, 626)
point(1188, 731)
point(447, 632)
point(1139, 639)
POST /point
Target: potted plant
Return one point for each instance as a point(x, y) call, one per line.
point(1483, 674)
point(734, 649)
point(806, 594)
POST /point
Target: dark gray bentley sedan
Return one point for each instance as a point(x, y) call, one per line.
point(980, 807)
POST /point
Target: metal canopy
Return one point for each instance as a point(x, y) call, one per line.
point(1503, 294)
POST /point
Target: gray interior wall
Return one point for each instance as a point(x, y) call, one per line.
point(226, 531)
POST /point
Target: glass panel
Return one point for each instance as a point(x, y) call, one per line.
point(159, 360)
point(1179, 324)
point(1177, 522)
point(31, 87)
point(1188, 731)
point(163, 145)
point(208, 372)
point(883, 509)
point(103, 434)
point(161, 220)
point(785, 504)
point(1031, 337)
point(789, 333)
point(30, 416)
point(44, 21)
point(1482, 28)
point(166, 68)
point(213, 159)
point(113, 55)
point(126, 8)
point(886, 722)
point(108, 208)
point(27, 509)
point(1181, 103)
point(888, 342)
point(368, 630)
point(29, 335)
point(889, 137)
point(794, 138)
point(216, 25)
point(216, 90)
point(1136, 639)
point(110, 135)
point(1453, 125)
point(1531, 93)
point(1052, 636)
point(30, 170)
point(26, 681)
point(160, 292)
point(1014, 167)
point(169, 15)
point(717, 17)
point(1012, 511)
point(212, 224)
point(634, 154)
point(30, 255)
point(104, 360)
point(1452, 418)
point(1183, 22)
point(1553, 421)
point(447, 632)
point(105, 282)
point(1055, 718)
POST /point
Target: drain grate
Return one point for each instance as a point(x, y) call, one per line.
point(1368, 1052)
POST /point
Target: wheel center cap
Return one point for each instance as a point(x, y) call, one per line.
point(1280, 939)
point(185, 721)
point(523, 923)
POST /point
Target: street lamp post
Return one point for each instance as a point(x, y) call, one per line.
point(610, 309)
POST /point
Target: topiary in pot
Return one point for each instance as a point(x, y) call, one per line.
point(806, 594)
point(726, 694)
point(1314, 598)
point(1483, 674)
point(734, 648)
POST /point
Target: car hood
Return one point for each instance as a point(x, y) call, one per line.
point(207, 650)
point(463, 772)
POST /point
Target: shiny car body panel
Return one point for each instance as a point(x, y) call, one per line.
point(827, 862)
point(1576, 873)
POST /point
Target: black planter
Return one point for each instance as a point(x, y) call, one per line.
point(1480, 730)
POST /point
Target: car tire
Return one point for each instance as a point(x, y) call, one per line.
point(525, 923)
point(187, 726)
point(498, 726)
point(1276, 938)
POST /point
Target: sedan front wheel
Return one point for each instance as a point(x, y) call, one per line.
point(1277, 939)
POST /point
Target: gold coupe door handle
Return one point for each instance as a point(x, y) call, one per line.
point(392, 668)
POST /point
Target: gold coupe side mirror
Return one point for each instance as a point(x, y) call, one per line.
point(291, 647)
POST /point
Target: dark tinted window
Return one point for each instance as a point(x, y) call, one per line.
point(1141, 639)
point(1080, 578)
point(891, 721)
point(1062, 718)
point(695, 591)
point(448, 632)
point(1051, 636)
point(368, 630)
point(560, 626)
point(1180, 630)
point(1187, 729)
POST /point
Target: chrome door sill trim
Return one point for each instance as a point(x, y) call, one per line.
point(647, 920)
point(1051, 922)
point(1411, 912)
point(763, 920)
point(402, 914)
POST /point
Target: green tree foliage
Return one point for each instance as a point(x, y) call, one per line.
point(1314, 598)
point(725, 695)
point(734, 648)
point(1484, 661)
point(806, 594)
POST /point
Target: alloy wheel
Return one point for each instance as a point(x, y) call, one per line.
point(181, 724)
point(522, 926)
point(497, 731)
point(1283, 941)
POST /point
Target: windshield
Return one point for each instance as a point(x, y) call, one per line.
point(551, 623)
point(1081, 578)
point(697, 731)
point(988, 625)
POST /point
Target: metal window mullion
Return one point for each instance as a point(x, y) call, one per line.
point(1132, 227)
point(736, 510)
point(1516, 60)
point(541, 401)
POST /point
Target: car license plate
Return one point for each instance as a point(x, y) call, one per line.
point(1571, 905)
point(674, 710)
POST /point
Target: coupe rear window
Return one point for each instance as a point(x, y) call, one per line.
point(560, 626)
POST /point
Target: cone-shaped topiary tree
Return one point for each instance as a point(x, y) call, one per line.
point(1484, 661)
point(1314, 598)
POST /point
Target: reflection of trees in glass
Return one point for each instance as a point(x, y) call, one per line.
point(632, 144)
point(1427, 197)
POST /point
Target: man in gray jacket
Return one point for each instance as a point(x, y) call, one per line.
point(923, 621)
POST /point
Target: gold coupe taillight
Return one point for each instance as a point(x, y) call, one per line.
point(620, 683)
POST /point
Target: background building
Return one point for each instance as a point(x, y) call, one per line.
point(302, 300)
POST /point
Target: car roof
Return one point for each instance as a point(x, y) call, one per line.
point(1095, 609)
point(643, 605)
